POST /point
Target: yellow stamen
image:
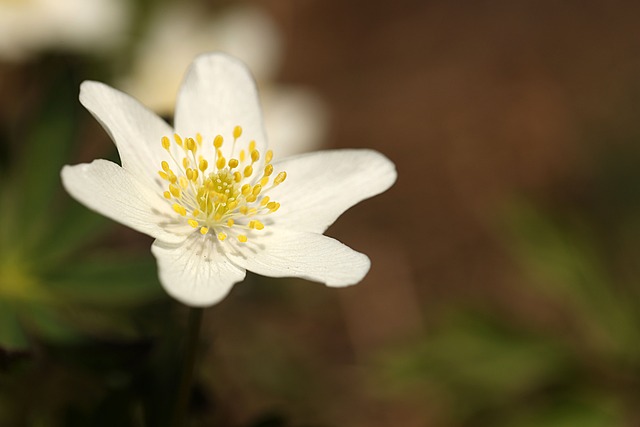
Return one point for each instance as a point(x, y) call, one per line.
point(237, 132)
point(179, 209)
point(280, 178)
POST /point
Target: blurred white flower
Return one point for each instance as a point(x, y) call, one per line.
point(29, 26)
point(295, 118)
point(211, 194)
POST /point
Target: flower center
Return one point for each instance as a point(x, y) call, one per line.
point(226, 198)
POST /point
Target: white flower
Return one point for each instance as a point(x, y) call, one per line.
point(210, 194)
point(245, 32)
point(27, 26)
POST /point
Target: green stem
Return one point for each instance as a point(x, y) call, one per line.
point(188, 366)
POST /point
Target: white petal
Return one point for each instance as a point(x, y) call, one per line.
point(196, 272)
point(287, 253)
point(112, 191)
point(135, 130)
point(296, 120)
point(320, 186)
point(218, 93)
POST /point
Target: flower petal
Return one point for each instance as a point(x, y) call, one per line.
point(218, 93)
point(320, 186)
point(287, 253)
point(112, 191)
point(196, 272)
point(135, 130)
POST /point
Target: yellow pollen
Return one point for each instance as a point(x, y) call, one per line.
point(184, 183)
point(255, 155)
point(237, 132)
point(226, 198)
point(179, 209)
point(174, 190)
point(280, 178)
point(217, 141)
point(221, 162)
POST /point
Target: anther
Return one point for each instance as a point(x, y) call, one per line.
point(233, 163)
point(222, 236)
point(166, 143)
point(237, 132)
point(255, 155)
point(248, 171)
point(217, 141)
point(193, 223)
point(221, 162)
point(204, 230)
point(242, 238)
point(280, 178)
point(179, 209)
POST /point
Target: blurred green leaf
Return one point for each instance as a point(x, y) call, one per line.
point(107, 280)
point(577, 410)
point(12, 335)
point(45, 149)
point(567, 267)
point(478, 362)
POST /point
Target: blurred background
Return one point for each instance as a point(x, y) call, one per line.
point(504, 284)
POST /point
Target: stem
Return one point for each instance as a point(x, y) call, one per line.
point(188, 366)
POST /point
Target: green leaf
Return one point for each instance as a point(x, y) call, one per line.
point(567, 267)
point(477, 362)
point(107, 280)
point(45, 149)
point(576, 410)
point(12, 335)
